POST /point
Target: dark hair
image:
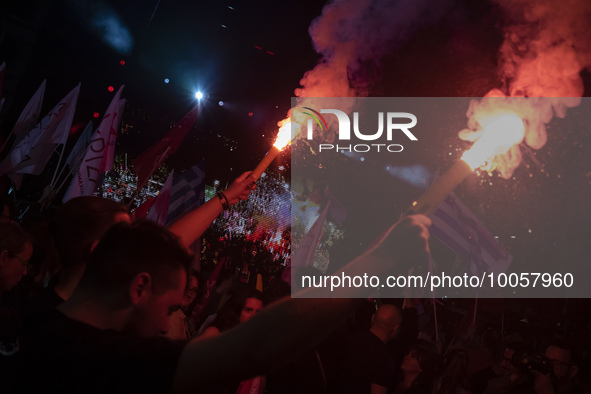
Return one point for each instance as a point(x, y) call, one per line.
point(13, 237)
point(229, 315)
point(128, 249)
point(78, 224)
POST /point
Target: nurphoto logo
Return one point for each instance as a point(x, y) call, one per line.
point(393, 128)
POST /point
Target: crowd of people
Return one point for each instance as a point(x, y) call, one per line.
point(110, 306)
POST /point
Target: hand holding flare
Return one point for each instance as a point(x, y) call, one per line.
point(497, 137)
point(283, 139)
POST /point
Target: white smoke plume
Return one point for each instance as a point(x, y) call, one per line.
point(351, 34)
point(546, 46)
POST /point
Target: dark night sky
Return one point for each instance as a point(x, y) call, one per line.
point(185, 42)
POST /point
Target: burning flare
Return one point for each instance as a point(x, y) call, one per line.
point(283, 139)
point(284, 134)
point(499, 133)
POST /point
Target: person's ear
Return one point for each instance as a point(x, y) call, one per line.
point(573, 371)
point(140, 288)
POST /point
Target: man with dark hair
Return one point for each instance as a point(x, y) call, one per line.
point(135, 278)
point(82, 221)
point(77, 227)
point(139, 268)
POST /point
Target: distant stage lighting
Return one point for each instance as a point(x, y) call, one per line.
point(198, 95)
point(166, 80)
point(221, 103)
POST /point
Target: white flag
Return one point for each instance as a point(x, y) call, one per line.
point(99, 154)
point(29, 116)
point(32, 154)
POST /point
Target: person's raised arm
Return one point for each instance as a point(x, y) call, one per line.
point(192, 225)
point(291, 326)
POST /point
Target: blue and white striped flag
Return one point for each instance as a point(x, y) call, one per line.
point(457, 227)
point(188, 192)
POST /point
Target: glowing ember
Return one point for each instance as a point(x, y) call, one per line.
point(498, 135)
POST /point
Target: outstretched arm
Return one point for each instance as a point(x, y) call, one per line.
point(192, 225)
point(291, 326)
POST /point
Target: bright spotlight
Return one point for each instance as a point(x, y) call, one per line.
point(198, 95)
point(221, 103)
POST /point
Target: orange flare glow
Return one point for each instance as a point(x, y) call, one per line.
point(284, 134)
point(499, 134)
point(283, 139)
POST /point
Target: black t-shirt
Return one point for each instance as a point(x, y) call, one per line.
point(61, 355)
point(367, 361)
point(47, 298)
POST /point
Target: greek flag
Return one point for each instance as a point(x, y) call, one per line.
point(188, 192)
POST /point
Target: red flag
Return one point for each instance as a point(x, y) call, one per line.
point(99, 155)
point(146, 163)
point(141, 211)
point(211, 281)
point(159, 209)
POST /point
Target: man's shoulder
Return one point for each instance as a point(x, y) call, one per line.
point(93, 358)
point(49, 330)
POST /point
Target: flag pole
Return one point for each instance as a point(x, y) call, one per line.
point(77, 166)
point(52, 184)
point(53, 180)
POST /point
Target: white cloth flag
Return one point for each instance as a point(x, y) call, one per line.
point(99, 154)
point(32, 154)
point(29, 116)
